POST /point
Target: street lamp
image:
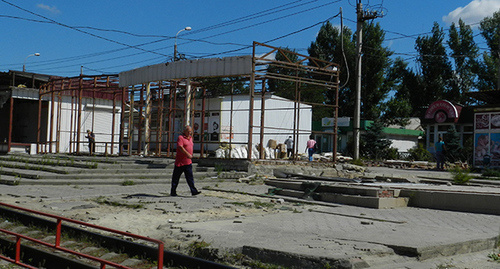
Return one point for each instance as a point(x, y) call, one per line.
point(24, 64)
point(175, 45)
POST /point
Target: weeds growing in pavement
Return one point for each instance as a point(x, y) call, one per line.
point(128, 183)
point(460, 176)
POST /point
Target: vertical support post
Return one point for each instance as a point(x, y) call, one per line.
point(18, 249)
point(250, 105)
point(262, 154)
point(52, 102)
point(113, 122)
point(188, 102)
point(335, 118)
point(202, 127)
point(39, 122)
point(141, 110)
point(11, 120)
point(79, 114)
point(93, 104)
point(231, 121)
point(147, 131)
point(298, 116)
point(131, 121)
point(58, 116)
point(161, 111)
point(160, 255)
point(58, 233)
point(295, 108)
point(172, 114)
point(72, 112)
point(357, 103)
point(122, 123)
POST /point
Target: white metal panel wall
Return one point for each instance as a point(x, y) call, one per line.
point(103, 119)
point(278, 113)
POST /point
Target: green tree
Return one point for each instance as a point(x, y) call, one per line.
point(282, 87)
point(374, 144)
point(489, 73)
point(453, 148)
point(328, 47)
point(435, 68)
point(464, 54)
point(375, 61)
point(219, 86)
point(375, 64)
point(405, 85)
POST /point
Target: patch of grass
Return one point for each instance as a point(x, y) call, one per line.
point(255, 204)
point(358, 162)
point(260, 265)
point(105, 201)
point(460, 176)
point(128, 183)
point(491, 174)
point(495, 256)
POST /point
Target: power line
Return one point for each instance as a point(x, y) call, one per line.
point(81, 31)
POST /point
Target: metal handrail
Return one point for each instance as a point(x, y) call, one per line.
point(57, 246)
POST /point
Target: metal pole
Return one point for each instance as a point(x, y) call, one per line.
point(39, 121)
point(147, 131)
point(188, 102)
point(202, 127)
point(161, 111)
point(357, 104)
point(141, 110)
point(131, 122)
point(52, 101)
point(251, 100)
point(79, 115)
point(11, 116)
point(113, 122)
point(262, 116)
point(122, 124)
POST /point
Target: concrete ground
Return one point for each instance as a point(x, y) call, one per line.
point(238, 217)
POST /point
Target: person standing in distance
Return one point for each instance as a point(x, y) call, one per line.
point(289, 147)
point(310, 147)
point(91, 137)
point(183, 162)
point(440, 148)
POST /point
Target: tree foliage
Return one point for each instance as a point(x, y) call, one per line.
point(435, 68)
point(489, 69)
point(464, 52)
point(374, 144)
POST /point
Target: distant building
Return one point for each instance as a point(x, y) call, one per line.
point(58, 119)
point(403, 138)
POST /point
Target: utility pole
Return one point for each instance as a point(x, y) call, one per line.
point(362, 16)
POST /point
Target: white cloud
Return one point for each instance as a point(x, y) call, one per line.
point(474, 12)
point(51, 9)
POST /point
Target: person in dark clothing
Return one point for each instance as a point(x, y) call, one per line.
point(91, 137)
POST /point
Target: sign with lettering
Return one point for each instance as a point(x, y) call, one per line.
point(442, 111)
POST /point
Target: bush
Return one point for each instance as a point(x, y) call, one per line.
point(460, 176)
point(420, 153)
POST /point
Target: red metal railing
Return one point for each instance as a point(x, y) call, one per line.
point(57, 243)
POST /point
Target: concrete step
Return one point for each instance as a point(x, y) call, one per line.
point(355, 200)
point(339, 188)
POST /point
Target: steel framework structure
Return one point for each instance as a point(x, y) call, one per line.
point(150, 110)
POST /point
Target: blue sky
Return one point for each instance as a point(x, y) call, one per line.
point(113, 36)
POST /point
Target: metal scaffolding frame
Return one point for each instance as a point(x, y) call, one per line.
point(152, 108)
point(75, 89)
